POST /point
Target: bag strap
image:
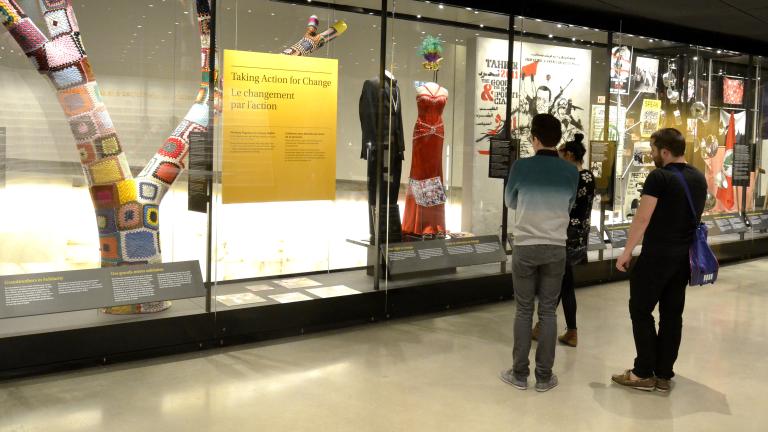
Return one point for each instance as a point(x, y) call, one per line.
point(679, 175)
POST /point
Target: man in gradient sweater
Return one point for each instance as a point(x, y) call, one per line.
point(541, 190)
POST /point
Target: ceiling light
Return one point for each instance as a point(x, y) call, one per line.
point(550, 36)
point(559, 26)
point(482, 25)
point(441, 6)
point(418, 16)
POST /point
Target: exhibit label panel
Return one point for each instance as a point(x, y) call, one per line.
point(279, 126)
point(45, 293)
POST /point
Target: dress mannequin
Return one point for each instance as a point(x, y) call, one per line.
point(425, 212)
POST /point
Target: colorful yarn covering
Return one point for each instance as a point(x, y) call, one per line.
point(127, 208)
point(312, 41)
point(432, 51)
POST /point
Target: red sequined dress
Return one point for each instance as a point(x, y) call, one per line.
point(427, 163)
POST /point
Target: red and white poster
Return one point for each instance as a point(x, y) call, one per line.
point(545, 79)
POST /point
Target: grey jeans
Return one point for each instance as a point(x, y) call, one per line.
point(537, 270)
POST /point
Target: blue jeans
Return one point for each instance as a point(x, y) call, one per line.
point(537, 270)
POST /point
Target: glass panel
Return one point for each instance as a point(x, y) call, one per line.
point(84, 139)
point(292, 214)
point(562, 71)
point(446, 202)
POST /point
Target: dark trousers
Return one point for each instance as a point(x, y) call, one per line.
point(657, 280)
point(568, 297)
point(388, 198)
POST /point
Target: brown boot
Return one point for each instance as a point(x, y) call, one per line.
point(569, 338)
point(535, 331)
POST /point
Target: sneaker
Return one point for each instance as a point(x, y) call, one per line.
point(535, 331)
point(663, 385)
point(629, 380)
point(569, 338)
point(509, 377)
point(542, 386)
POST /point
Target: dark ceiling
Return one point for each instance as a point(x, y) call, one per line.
point(740, 25)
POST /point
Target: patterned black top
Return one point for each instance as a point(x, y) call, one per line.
point(578, 228)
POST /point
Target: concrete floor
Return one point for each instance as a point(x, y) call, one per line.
point(433, 373)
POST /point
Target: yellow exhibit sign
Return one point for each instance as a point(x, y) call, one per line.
point(279, 128)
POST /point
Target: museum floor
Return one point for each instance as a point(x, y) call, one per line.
point(430, 373)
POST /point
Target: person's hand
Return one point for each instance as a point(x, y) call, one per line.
point(622, 263)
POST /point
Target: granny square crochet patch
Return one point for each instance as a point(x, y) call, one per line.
point(129, 216)
point(63, 51)
point(108, 145)
point(139, 244)
point(58, 22)
point(54, 4)
point(68, 77)
point(87, 152)
point(198, 114)
point(173, 148)
point(166, 172)
point(104, 196)
point(83, 127)
point(105, 219)
point(106, 171)
point(148, 191)
point(8, 14)
point(126, 191)
point(110, 247)
point(151, 217)
point(28, 35)
point(75, 101)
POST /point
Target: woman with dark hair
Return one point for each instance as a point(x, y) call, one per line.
point(578, 235)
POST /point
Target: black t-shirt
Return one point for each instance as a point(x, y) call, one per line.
point(672, 226)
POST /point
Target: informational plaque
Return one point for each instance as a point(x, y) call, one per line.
point(758, 220)
point(200, 171)
point(45, 293)
point(413, 257)
point(596, 241)
point(501, 157)
point(279, 127)
point(617, 234)
point(742, 162)
point(602, 159)
point(730, 223)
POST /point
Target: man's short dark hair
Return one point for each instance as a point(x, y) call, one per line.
point(546, 128)
point(670, 139)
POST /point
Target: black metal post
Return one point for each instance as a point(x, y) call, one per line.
point(379, 149)
point(508, 128)
point(212, 76)
point(749, 100)
point(607, 136)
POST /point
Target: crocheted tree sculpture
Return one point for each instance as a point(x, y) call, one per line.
point(127, 207)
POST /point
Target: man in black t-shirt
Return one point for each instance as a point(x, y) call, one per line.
point(665, 224)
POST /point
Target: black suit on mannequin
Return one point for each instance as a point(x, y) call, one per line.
point(392, 131)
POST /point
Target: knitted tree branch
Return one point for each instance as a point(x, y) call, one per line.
point(313, 41)
point(127, 208)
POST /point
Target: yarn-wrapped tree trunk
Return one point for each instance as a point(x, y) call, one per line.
point(127, 208)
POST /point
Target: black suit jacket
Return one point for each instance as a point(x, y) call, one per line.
point(369, 117)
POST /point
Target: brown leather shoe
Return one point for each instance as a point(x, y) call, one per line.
point(535, 331)
point(663, 385)
point(569, 338)
point(627, 379)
